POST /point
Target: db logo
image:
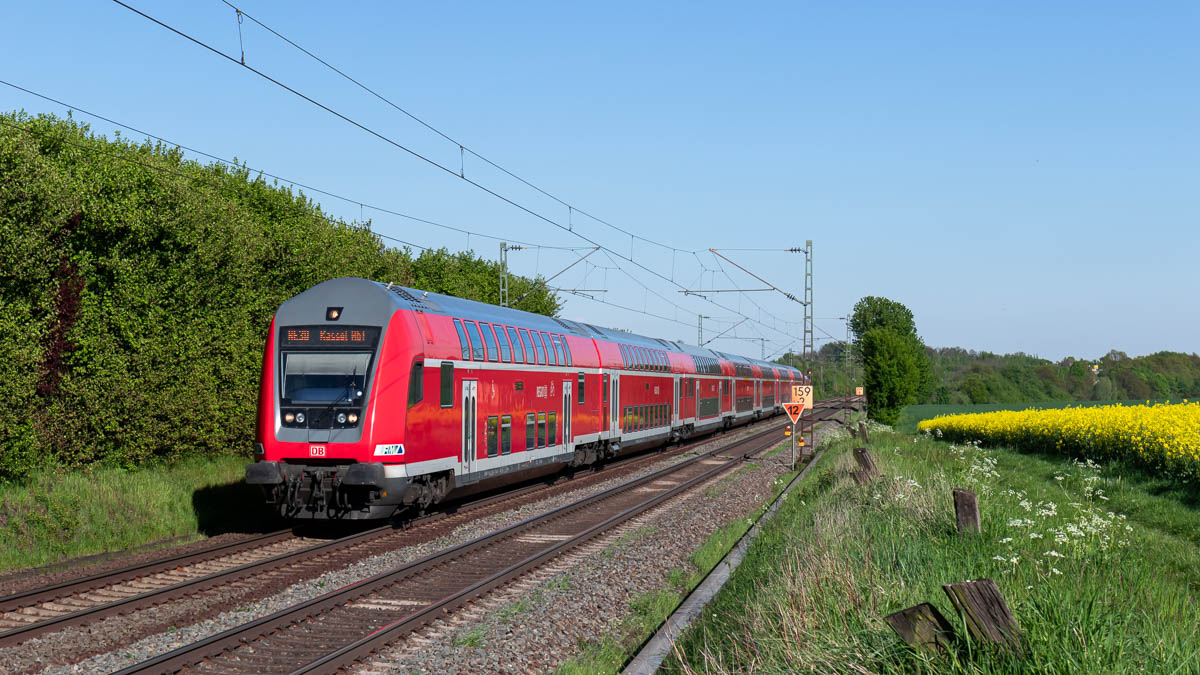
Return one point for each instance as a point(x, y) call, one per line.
point(316, 450)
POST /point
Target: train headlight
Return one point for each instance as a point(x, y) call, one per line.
point(341, 418)
point(299, 418)
point(353, 417)
point(289, 418)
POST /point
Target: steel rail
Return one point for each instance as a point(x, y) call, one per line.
point(16, 601)
point(154, 597)
point(205, 650)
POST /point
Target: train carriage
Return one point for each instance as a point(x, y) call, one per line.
point(376, 397)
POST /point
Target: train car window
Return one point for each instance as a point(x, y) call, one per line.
point(518, 352)
point(605, 392)
point(624, 359)
point(541, 430)
point(552, 437)
point(530, 432)
point(477, 352)
point(490, 338)
point(582, 380)
point(415, 380)
point(566, 349)
point(638, 361)
point(505, 349)
point(530, 357)
point(447, 393)
point(462, 340)
point(506, 434)
point(537, 347)
point(551, 348)
point(562, 352)
point(626, 422)
point(493, 434)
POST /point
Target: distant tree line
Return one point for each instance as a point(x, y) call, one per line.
point(982, 377)
point(887, 356)
point(136, 287)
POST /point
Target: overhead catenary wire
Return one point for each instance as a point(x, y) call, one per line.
point(349, 200)
point(433, 162)
point(463, 147)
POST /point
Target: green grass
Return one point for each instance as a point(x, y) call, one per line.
point(912, 414)
point(473, 638)
point(648, 611)
point(812, 593)
point(58, 515)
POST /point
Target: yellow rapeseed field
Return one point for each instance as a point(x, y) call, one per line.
point(1164, 437)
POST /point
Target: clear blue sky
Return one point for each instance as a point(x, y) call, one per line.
point(1023, 177)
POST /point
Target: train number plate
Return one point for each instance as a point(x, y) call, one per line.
point(316, 451)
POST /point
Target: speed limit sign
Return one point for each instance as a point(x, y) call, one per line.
point(803, 394)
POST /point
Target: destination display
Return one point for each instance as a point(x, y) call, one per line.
point(344, 337)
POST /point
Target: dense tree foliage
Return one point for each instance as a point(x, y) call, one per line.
point(982, 377)
point(896, 370)
point(875, 312)
point(136, 287)
point(891, 372)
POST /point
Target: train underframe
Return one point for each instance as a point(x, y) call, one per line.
point(363, 491)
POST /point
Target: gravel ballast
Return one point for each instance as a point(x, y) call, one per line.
point(55, 651)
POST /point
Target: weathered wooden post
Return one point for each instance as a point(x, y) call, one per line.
point(862, 431)
point(923, 627)
point(853, 433)
point(986, 614)
point(866, 465)
point(966, 510)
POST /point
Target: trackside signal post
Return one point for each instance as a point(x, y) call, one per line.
point(802, 398)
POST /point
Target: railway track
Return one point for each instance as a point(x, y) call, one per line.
point(346, 626)
point(82, 601)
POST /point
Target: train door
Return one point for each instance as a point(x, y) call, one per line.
point(678, 399)
point(469, 403)
point(568, 441)
point(614, 400)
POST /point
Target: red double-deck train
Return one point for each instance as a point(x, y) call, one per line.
point(376, 397)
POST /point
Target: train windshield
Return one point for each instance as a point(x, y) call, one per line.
point(328, 377)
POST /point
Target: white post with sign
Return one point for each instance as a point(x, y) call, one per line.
point(801, 399)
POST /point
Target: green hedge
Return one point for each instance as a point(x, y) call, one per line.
point(136, 287)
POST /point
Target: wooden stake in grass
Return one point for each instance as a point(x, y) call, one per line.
point(862, 431)
point(866, 465)
point(853, 433)
point(966, 510)
point(985, 613)
point(923, 627)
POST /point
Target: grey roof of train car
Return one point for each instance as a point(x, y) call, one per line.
point(437, 303)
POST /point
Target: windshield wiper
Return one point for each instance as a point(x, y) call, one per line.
point(347, 389)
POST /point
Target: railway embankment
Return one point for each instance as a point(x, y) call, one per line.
point(119, 641)
point(1099, 567)
point(57, 517)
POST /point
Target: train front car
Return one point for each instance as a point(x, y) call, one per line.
point(331, 410)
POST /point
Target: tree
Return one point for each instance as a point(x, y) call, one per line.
point(874, 312)
point(891, 372)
